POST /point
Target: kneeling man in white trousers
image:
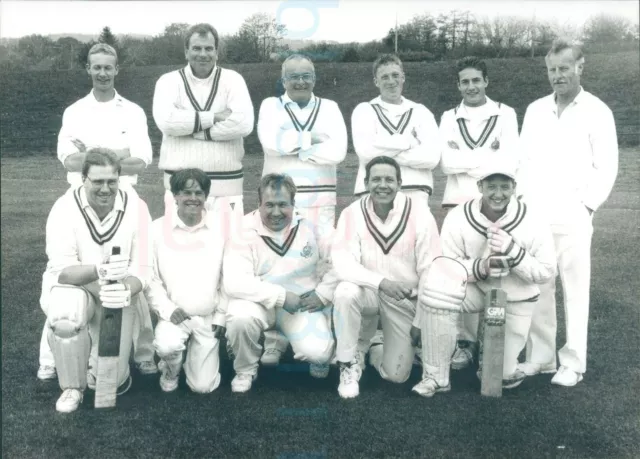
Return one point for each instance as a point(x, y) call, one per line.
point(277, 275)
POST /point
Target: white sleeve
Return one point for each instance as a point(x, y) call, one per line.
point(170, 119)
point(367, 143)
point(66, 148)
point(333, 150)
point(140, 143)
point(426, 155)
point(455, 161)
point(141, 257)
point(453, 246)
point(535, 260)
point(156, 291)
point(240, 123)
point(277, 139)
point(61, 244)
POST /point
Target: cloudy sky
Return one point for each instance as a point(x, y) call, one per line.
point(340, 20)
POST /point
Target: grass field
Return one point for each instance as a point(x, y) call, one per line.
point(33, 103)
point(290, 415)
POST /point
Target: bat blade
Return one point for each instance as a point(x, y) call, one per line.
point(108, 353)
point(492, 344)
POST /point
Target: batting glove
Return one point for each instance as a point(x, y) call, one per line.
point(499, 240)
point(115, 296)
point(115, 269)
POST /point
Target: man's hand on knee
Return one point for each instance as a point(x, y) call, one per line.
point(395, 290)
point(291, 303)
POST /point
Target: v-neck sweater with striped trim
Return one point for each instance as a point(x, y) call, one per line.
point(480, 142)
point(218, 149)
point(534, 261)
point(261, 266)
point(366, 250)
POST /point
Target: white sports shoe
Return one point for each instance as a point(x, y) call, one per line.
point(271, 356)
point(566, 377)
point(350, 374)
point(242, 382)
point(147, 367)
point(319, 371)
point(69, 401)
point(532, 369)
point(514, 380)
point(46, 373)
point(168, 382)
point(463, 355)
point(428, 387)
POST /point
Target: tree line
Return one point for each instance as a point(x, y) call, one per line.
point(426, 37)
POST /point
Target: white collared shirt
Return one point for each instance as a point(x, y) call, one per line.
point(117, 124)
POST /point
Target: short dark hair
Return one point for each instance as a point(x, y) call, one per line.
point(382, 160)
point(100, 157)
point(561, 44)
point(178, 180)
point(385, 59)
point(201, 29)
point(277, 181)
point(471, 62)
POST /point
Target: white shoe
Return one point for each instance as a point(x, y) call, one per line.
point(350, 374)
point(319, 371)
point(566, 377)
point(463, 355)
point(271, 356)
point(242, 382)
point(46, 373)
point(532, 369)
point(168, 381)
point(69, 401)
point(514, 380)
point(147, 367)
point(428, 387)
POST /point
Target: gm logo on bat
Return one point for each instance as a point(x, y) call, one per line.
point(495, 316)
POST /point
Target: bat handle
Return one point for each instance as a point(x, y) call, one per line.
point(115, 250)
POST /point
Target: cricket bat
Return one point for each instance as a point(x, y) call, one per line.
point(492, 342)
point(108, 353)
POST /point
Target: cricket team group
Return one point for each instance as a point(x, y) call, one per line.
point(384, 282)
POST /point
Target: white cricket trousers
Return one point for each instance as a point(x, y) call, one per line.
point(202, 362)
point(352, 304)
point(309, 333)
point(573, 252)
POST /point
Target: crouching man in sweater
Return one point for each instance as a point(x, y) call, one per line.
point(502, 244)
point(188, 248)
point(276, 276)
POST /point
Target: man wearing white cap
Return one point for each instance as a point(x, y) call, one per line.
point(502, 245)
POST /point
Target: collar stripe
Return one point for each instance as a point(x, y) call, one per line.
point(386, 243)
point(284, 248)
point(508, 227)
point(486, 132)
point(105, 237)
point(475, 224)
point(388, 125)
point(212, 94)
point(310, 121)
point(521, 212)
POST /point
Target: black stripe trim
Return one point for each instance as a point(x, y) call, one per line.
point(187, 88)
point(449, 206)
point(217, 175)
point(207, 134)
point(468, 213)
point(404, 121)
point(98, 238)
point(533, 299)
point(518, 259)
point(214, 89)
point(520, 214)
point(484, 135)
point(212, 93)
point(383, 119)
point(197, 127)
point(426, 188)
point(314, 189)
point(281, 250)
point(314, 115)
point(310, 121)
point(386, 243)
point(388, 125)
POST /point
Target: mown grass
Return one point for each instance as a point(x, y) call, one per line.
point(290, 415)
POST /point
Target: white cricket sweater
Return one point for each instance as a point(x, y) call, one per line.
point(464, 238)
point(382, 129)
point(366, 250)
point(484, 135)
point(261, 266)
point(285, 131)
point(187, 268)
point(183, 109)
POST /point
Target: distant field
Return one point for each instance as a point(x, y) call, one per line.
point(33, 103)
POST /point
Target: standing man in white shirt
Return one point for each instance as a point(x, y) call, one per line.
point(82, 228)
point(305, 137)
point(204, 112)
point(185, 289)
point(105, 119)
point(571, 146)
point(473, 135)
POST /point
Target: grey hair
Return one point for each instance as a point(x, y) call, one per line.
point(561, 44)
point(277, 181)
point(296, 57)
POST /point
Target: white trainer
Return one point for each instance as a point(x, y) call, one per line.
point(147, 367)
point(46, 373)
point(168, 381)
point(566, 377)
point(242, 382)
point(69, 401)
point(319, 371)
point(428, 387)
point(271, 356)
point(463, 355)
point(514, 380)
point(350, 374)
point(532, 369)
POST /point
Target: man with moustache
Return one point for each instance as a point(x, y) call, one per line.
point(204, 111)
point(571, 146)
point(473, 135)
point(305, 137)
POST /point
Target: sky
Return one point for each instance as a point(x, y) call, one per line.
point(339, 20)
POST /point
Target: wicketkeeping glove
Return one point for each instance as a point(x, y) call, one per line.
point(115, 296)
point(115, 269)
